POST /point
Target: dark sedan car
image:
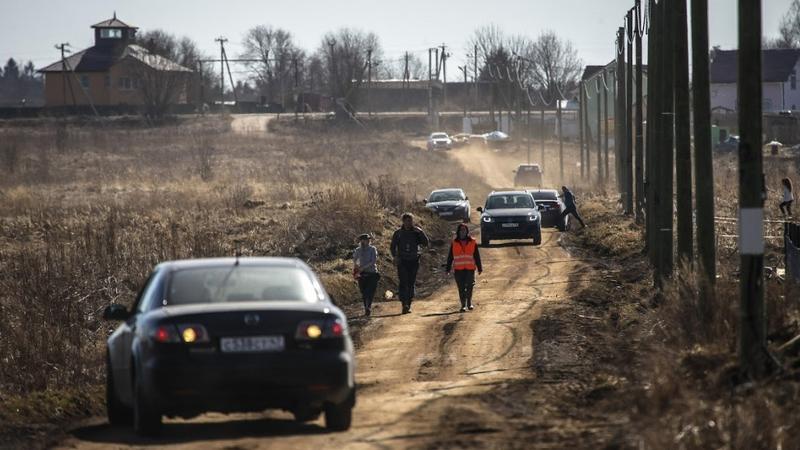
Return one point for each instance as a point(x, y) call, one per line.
point(528, 175)
point(551, 207)
point(449, 204)
point(510, 215)
point(230, 335)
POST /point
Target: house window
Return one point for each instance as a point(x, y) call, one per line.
point(793, 80)
point(111, 33)
point(85, 81)
point(125, 83)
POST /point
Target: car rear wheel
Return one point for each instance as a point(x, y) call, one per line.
point(306, 414)
point(118, 414)
point(562, 225)
point(339, 417)
point(146, 418)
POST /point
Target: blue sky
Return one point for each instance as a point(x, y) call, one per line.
point(30, 28)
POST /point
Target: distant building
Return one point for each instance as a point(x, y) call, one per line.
point(779, 78)
point(109, 73)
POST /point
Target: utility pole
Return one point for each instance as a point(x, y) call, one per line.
point(430, 88)
point(475, 75)
point(466, 89)
point(753, 339)
point(600, 179)
point(63, 47)
point(703, 158)
point(369, 81)
point(222, 42)
point(605, 122)
point(639, 157)
point(683, 142)
point(581, 107)
point(654, 72)
point(444, 75)
point(629, 116)
point(619, 112)
point(406, 74)
point(541, 127)
point(664, 201)
point(530, 133)
point(588, 125)
point(296, 86)
point(560, 140)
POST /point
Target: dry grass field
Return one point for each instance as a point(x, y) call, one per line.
point(87, 210)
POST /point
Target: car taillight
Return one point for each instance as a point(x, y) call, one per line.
point(311, 330)
point(193, 334)
point(166, 334)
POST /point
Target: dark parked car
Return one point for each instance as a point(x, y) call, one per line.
point(528, 175)
point(729, 145)
point(229, 335)
point(510, 215)
point(449, 204)
point(551, 207)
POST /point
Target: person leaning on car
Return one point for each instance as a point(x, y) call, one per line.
point(405, 250)
point(463, 259)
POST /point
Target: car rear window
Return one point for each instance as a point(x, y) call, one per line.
point(446, 196)
point(239, 284)
point(438, 136)
point(545, 196)
point(506, 201)
point(528, 168)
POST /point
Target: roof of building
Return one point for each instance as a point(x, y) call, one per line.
point(776, 65)
point(591, 71)
point(112, 23)
point(100, 59)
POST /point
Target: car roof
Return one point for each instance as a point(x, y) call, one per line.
point(542, 190)
point(509, 192)
point(528, 165)
point(207, 263)
point(447, 190)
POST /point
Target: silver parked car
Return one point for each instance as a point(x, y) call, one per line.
point(439, 141)
point(449, 204)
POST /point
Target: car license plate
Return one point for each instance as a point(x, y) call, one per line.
point(252, 344)
point(446, 213)
point(510, 225)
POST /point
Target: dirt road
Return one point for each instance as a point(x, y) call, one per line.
point(415, 372)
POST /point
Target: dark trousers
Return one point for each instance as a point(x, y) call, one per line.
point(574, 211)
point(407, 276)
point(788, 206)
point(465, 280)
point(367, 284)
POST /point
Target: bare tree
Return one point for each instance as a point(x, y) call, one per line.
point(344, 53)
point(160, 64)
point(276, 52)
point(555, 64)
point(788, 30)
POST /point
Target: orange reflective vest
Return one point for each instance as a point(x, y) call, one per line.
point(463, 258)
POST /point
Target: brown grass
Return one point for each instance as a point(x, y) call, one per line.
point(679, 354)
point(88, 210)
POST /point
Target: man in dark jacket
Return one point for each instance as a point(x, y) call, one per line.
point(464, 258)
point(405, 250)
point(569, 206)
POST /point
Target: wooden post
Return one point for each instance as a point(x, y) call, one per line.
point(629, 117)
point(664, 200)
point(600, 179)
point(639, 128)
point(619, 111)
point(560, 141)
point(753, 339)
point(581, 107)
point(683, 152)
point(703, 157)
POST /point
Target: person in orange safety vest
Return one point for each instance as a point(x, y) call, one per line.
point(464, 258)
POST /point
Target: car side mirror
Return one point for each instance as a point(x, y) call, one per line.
point(333, 300)
point(480, 209)
point(466, 198)
point(514, 171)
point(424, 201)
point(116, 312)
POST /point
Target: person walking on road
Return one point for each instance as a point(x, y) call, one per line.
point(464, 258)
point(405, 249)
point(569, 206)
point(365, 269)
point(788, 197)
